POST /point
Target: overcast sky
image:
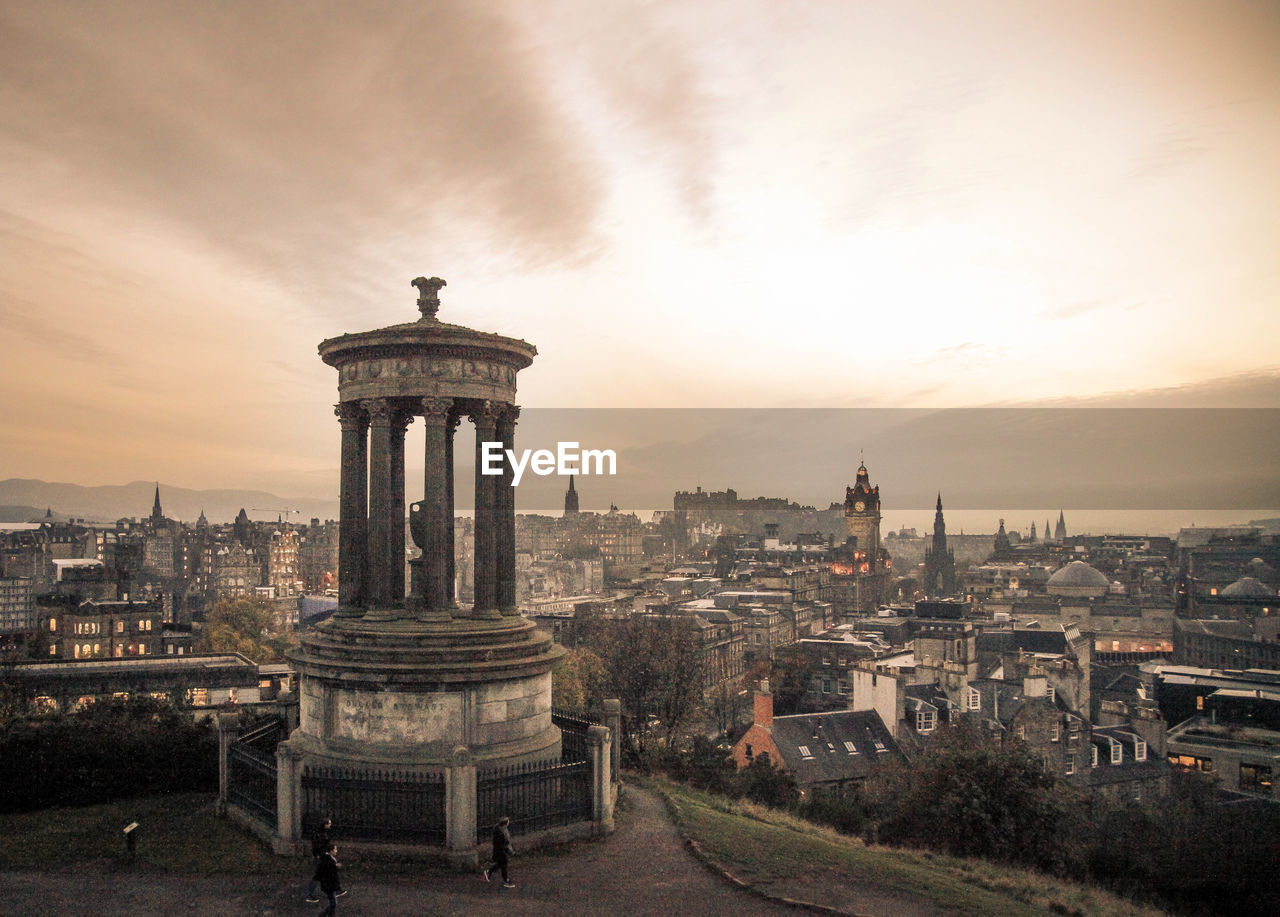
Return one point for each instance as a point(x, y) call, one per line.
point(728, 204)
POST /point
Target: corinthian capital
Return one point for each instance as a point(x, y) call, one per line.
point(350, 415)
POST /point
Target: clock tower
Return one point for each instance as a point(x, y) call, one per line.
point(862, 517)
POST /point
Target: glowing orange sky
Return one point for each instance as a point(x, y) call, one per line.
point(714, 203)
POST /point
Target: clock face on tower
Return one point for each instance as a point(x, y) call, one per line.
point(859, 506)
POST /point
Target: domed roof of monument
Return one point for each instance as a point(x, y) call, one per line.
point(1079, 575)
point(1246, 587)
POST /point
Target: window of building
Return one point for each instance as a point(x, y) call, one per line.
point(1055, 732)
point(53, 650)
point(880, 749)
point(826, 686)
point(1021, 733)
point(750, 753)
point(1094, 761)
point(973, 699)
point(804, 751)
point(840, 686)
point(1053, 694)
point(120, 627)
point(1117, 752)
point(1255, 778)
point(850, 747)
point(53, 624)
point(926, 720)
point(1139, 750)
point(1071, 764)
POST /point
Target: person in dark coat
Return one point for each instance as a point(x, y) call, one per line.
point(319, 844)
point(330, 880)
point(502, 851)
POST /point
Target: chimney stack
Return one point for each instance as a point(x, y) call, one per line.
point(763, 706)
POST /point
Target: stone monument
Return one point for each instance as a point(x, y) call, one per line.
point(407, 678)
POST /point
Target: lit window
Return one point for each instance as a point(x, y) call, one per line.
point(53, 624)
point(53, 651)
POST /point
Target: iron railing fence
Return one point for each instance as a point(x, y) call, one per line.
point(251, 780)
point(375, 804)
point(535, 796)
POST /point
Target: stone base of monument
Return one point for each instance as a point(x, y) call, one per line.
point(406, 693)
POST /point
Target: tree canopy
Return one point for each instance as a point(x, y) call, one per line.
point(247, 626)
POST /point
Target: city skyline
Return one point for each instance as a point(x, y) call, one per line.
point(707, 204)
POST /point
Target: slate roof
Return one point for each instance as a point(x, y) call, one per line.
point(1031, 641)
point(828, 738)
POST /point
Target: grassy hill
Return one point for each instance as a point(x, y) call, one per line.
point(767, 850)
point(782, 855)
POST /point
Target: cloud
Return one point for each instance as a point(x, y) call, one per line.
point(295, 137)
point(968, 351)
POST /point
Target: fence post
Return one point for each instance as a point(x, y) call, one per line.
point(226, 735)
point(288, 798)
point(460, 808)
point(288, 707)
point(598, 746)
point(613, 720)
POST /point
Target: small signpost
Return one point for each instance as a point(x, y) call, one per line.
point(131, 839)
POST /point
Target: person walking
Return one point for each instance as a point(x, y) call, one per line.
point(319, 844)
point(330, 880)
point(502, 851)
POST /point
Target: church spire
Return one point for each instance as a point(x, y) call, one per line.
point(570, 499)
point(156, 513)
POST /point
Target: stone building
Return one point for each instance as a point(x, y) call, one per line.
point(939, 560)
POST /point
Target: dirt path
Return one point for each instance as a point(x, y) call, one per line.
point(643, 868)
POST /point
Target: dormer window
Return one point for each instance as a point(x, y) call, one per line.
point(805, 753)
point(850, 747)
point(973, 699)
point(926, 720)
point(1052, 693)
point(880, 749)
point(1117, 752)
point(1140, 750)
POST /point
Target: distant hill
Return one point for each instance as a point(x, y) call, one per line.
point(26, 500)
point(24, 514)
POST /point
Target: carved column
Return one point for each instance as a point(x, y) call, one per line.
point(485, 419)
point(381, 466)
point(353, 510)
point(437, 508)
point(505, 511)
point(401, 417)
point(455, 419)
